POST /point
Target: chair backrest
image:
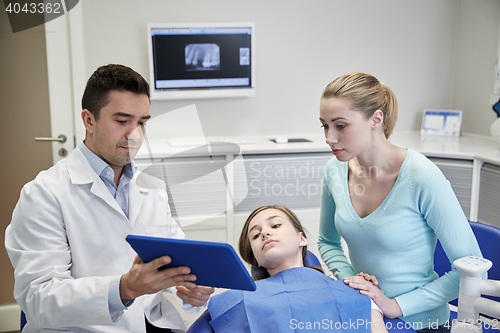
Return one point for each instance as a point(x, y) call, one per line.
point(488, 238)
point(309, 260)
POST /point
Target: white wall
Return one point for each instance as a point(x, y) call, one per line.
point(476, 53)
point(301, 46)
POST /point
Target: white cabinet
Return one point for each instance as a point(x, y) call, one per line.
point(190, 187)
point(196, 196)
point(200, 200)
point(459, 173)
point(292, 180)
point(203, 186)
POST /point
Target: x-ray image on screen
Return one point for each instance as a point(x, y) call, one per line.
point(201, 60)
point(202, 57)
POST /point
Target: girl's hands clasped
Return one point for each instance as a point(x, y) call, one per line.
point(196, 296)
point(368, 285)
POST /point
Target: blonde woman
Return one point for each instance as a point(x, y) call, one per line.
point(390, 204)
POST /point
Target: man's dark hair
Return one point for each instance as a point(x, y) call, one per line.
point(107, 78)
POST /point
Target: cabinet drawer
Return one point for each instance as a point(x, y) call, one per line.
point(195, 185)
point(459, 174)
point(489, 195)
point(291, 180)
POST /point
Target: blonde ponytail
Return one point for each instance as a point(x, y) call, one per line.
point(367, 94)
point(391, 110)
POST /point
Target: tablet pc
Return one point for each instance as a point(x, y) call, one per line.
point(214, 264)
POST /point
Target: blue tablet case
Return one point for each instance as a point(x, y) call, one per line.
point(214, 264)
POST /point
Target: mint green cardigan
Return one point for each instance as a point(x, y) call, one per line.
point(396, 242)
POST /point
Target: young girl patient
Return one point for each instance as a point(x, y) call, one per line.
point(289, 296)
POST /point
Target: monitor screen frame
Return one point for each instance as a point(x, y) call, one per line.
point(195, 93)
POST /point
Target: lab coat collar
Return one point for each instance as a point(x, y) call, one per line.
point(100, 167)
point(79, 169)
point(81, 173)
point(136, 197)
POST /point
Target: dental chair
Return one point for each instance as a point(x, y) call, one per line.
point(201, 325)
point(488, 238)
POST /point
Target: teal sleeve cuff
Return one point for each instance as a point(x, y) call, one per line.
point(411, 303)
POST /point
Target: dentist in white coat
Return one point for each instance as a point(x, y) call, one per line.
point(74, 271)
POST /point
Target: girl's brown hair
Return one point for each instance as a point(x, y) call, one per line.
point(367, 94)
point(244, 242)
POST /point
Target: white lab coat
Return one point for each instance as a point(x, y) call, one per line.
point(66, 241)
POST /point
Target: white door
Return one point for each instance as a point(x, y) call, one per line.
point(65, 68)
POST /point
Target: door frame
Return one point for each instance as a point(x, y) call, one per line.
point(66, 76)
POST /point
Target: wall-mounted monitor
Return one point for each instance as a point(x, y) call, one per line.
point(201, 60)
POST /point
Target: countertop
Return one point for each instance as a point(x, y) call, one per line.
point(466, 146)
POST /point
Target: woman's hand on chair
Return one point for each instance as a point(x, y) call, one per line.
point(367, 285)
